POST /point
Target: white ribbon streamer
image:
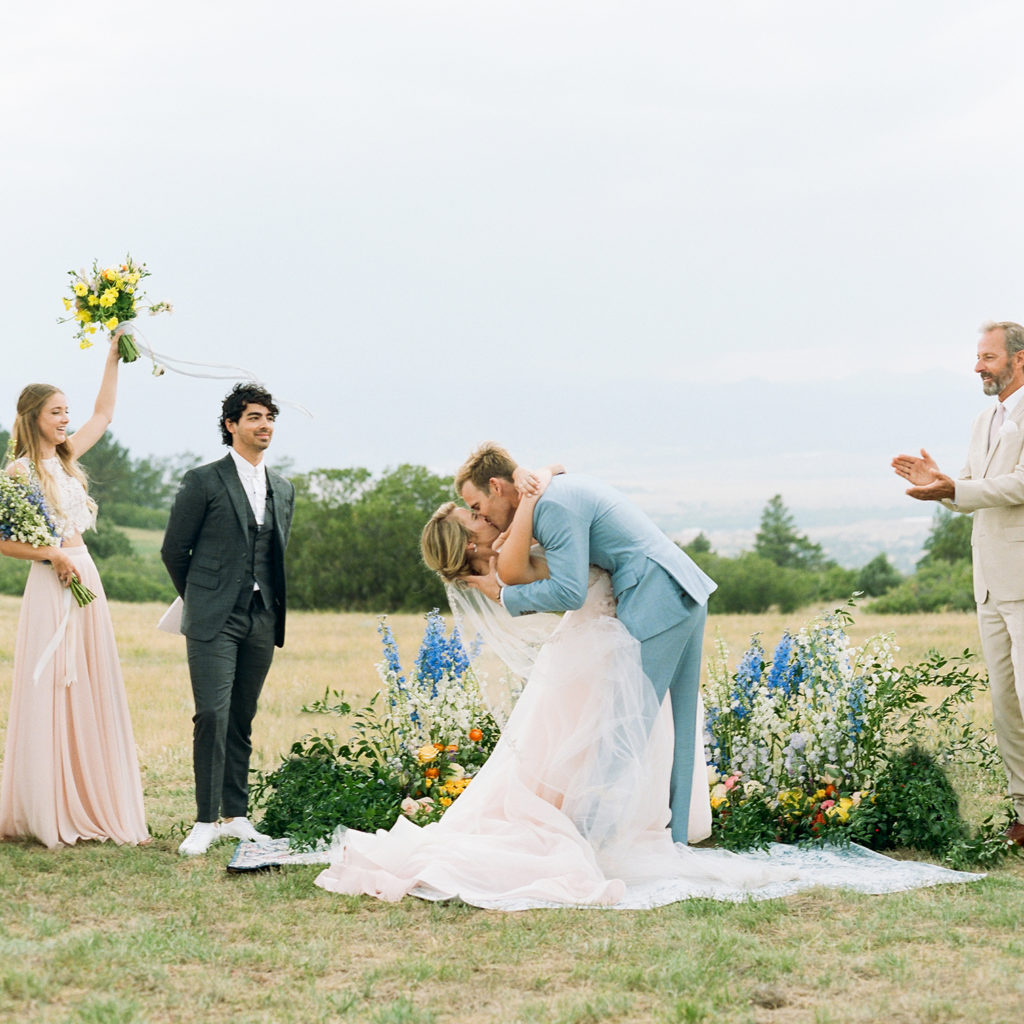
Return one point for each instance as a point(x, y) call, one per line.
point(163, 362)
point(66, 630)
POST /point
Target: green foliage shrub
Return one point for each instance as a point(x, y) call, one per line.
point(914, 806)
point(135, 579)
point(13, 574)
point(127, 514)
point(322, 784)
point(750, 583)
point(355, 542)
point(935, 587)
point(107, 540)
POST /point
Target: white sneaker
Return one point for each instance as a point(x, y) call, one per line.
point(203, 835)
point(241, 828)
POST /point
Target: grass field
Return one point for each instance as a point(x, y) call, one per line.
point(102, 934)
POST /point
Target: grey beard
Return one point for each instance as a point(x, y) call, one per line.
point(996, 385)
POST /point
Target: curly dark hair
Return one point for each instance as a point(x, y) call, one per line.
point(235, 403)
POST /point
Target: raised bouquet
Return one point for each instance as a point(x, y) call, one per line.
point(24, 518)
point(108, 298)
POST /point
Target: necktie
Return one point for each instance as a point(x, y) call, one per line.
point(997, 422)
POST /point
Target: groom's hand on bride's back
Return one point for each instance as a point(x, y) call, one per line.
point(487, 585)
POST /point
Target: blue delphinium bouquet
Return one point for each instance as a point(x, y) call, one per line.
point(24, 518)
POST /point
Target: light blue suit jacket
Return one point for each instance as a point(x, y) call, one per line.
point(581, 522)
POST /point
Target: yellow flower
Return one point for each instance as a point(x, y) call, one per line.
point(426, 753)
point(83, 315)
point(67, 303)
point(446, 801)
point(130, 290)
point(93, 299)
point(109, 297)
point(716, 802)
point(81, 288)
point(85, 343)
point(133, 278)
point(111, 323)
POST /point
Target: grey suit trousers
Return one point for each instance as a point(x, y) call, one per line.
point(227, 677)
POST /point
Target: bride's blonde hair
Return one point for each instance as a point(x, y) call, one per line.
point(27, 443)
point(444, 544)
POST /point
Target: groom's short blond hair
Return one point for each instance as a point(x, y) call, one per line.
point(489, 460)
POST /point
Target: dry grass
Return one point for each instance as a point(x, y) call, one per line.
point(101, 934)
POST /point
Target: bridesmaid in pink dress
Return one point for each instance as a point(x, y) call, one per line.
point(70, 768)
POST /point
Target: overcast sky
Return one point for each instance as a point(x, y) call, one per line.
point(712, 251)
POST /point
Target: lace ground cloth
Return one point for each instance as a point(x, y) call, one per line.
point(853, 868)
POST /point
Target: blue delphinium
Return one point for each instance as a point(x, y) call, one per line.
point(439, 654)
point(390, 650)
point(786, 671)
point(748, 678)
point(855, 708)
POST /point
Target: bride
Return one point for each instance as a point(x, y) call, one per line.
point(573, 805)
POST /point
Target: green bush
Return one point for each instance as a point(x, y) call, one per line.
point(914, 806)
point(135, 579)
point(107, 540)
point(750, 583)
point(13, 574)
point(936, 586)
point(321, 785)
point(127, 514)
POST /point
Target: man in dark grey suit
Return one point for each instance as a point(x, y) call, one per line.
point(224, 550)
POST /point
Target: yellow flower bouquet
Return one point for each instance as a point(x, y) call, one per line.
point(108, 298)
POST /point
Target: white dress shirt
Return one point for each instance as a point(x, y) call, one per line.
point(254, 483)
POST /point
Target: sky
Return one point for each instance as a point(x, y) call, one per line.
point(710, 252)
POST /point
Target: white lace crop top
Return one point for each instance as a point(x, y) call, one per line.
point(77, 511)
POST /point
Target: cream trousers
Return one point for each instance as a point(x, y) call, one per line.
point(1001, 624)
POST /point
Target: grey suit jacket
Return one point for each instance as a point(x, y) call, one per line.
point(581, 521)
point(991, 486)
point(206, 547)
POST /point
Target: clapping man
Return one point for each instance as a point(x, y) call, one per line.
point(991, 486)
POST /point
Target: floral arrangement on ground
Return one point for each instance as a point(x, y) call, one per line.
point(412, 750)
point(827, 742)
point(823, 742)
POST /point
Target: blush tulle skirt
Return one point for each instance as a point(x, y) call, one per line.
point(70, 769)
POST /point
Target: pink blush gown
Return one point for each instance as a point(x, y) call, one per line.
point(70, 769)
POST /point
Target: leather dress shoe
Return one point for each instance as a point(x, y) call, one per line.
point(203, 835)
point(1015, 833)
point(241, 828)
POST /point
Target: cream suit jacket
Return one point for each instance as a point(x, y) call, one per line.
point(991, 486)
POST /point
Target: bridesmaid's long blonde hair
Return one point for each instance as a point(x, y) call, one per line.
point(27, 444)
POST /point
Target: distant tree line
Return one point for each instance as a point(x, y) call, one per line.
point(785, 570)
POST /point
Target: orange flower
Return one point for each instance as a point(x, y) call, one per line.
point(432, 773)
point(439, 746)
point(476, 735)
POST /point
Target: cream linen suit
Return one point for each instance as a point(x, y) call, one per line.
point(991, 486)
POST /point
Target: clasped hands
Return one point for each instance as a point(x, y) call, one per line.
point(929, 484)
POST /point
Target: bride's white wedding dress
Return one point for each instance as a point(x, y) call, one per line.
point(572, 808)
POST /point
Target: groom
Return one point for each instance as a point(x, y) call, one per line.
point(660, 593)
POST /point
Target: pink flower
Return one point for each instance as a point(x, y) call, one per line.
point(731, 781)
point(826, 804)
